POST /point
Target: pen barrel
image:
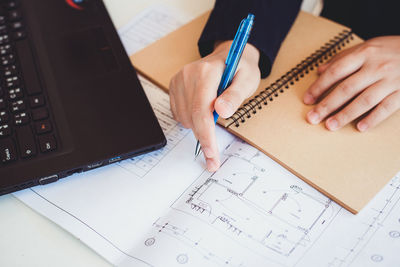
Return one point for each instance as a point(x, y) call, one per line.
point(235, 55)
point(215, 116)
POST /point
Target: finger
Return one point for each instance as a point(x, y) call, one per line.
point(344, 92)
point(386, 108)
point(243, 85)
point(335, 72)
point(183, 114)
point(172, 102)
point(203, 123)
point(367, 100)
point(338, 56)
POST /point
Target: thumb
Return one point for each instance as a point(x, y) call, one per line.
point(241, 88)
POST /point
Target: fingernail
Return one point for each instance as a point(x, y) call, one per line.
point(308, 99)
point(212, 165)
point(362, 126)
point(313, 117)
point(227, 107)
point(332, 124)
point(208, 153)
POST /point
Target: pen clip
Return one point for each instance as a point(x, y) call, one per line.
point(234, 43)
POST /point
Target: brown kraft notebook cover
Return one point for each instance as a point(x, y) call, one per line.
point(348, 166)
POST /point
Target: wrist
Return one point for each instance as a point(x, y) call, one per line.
point(250, 53)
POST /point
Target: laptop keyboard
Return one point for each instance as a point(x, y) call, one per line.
point(26, 130)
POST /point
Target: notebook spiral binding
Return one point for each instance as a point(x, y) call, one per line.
point(295, 74)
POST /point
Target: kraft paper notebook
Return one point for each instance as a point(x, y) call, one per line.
point(348, 166)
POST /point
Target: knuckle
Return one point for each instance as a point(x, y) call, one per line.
point(322, 108)
point(334, 70)
point(187, 68)
point(186, 74)
point(346, 89)
point(386, 106)
point(369, 48)
point(385, 67)
point(368, 100)
point(204, 68)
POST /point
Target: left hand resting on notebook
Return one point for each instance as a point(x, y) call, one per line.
point(369, 81)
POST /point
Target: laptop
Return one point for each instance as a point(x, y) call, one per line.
point(70, 100)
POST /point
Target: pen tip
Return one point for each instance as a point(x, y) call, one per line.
point(198, 150)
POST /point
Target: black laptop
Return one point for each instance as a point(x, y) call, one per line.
point(70, 100)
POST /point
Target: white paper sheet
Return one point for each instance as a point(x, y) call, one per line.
point(164, 209)
point(149, 26)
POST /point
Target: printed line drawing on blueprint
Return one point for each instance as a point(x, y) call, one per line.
point(378, 229)
point(173, 131)
point(244, 206)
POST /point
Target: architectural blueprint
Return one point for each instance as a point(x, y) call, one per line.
point(252, 212)
point(165, 209)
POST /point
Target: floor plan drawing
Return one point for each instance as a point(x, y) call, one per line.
point(241, 202)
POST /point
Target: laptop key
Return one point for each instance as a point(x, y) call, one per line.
point(18, 106)
point(7, 59)
point(14, 15)
point(18, 35)
point(43, 127)
point(16, 25)
point(12, 82)
point(5, 50)
point(47, 143)
point(2, 103)
point(21, 119)
point(5, 130)
point(8, 152)
point(10, 70)
point(40, 114)
point(4, 39)
point(36, 101)
point(28, 67)
point(14, 94)
point(3, 116)
point(11, 5)
point(26, 141)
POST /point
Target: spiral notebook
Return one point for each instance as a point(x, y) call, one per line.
point(348, 166)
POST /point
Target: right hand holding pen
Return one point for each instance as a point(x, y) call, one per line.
point(193, 92)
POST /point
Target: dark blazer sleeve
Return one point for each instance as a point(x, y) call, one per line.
point(273, 19)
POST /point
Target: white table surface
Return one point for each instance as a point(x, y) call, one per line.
point(29, 239)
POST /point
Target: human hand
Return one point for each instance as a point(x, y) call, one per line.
point(193, 92)
point(369, 76)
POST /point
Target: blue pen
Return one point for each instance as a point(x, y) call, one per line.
point(232, 61)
